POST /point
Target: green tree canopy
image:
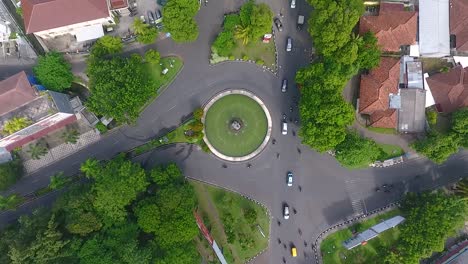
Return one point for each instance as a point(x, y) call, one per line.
point(356, 151)
point(10, 172)
point(145, 33)
point(166, 175)
point(437, 147)
point(430, 219)
point(116, 184)
point(369, 52)
point(106, 45)
point(460, 126)
point(119, 87)
point(224, 43)
point(53, 71)
point(181, 254)
point(179, 19)
point(152, 56)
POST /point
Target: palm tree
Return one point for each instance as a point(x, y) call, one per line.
point(243, 33)
point(37, 150)
point(139, 27)
point(462, 188)
point(71, 136)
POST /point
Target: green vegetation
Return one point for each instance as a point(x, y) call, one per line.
point(70, 136)
point(152, 56)
point(334, 253)
point(10, 172)
point(389, 151)
point(58, 181)
point(232, 221)
point(324, 113)
point(107, 45)
point(382, 130)
point(94, 224)
point(53, 71)
point(242, 33)
point(146, 34)
point(15, 124)
point(253, 125)
point(435, 65)
point(101, 127)
point(155, 71)
point(179, 19)
point(356, 151)
point(461, 188)
point(10, 202)
point(37, 150)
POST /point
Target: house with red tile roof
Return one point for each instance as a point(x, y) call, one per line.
point(450, 89)
point(459, 24)
point(52, 18)
point(48, 111)
point(375, 91)
point(393, 27)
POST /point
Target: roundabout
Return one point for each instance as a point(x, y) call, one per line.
point(237, 125)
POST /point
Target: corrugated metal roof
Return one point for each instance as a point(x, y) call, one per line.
point(434, 36)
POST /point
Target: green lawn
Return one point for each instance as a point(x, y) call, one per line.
point(218, 120)
point(390, 151)
point(334, 253)
point(382, 130)
point(155, 71)
point(257, 51)
point(434, 65)
point(216, 206)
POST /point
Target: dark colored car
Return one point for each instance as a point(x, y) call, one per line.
point(158, 16)
point(151, 19)
point(278, 24)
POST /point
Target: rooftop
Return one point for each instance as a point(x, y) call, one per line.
point(412, 115)
point(450, 89)
point(40, 15)
point(434, 36)
point(15, 91)
point(459, 23)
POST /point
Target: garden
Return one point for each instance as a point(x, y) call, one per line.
point(241, 36)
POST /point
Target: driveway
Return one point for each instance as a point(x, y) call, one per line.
point(329, 193)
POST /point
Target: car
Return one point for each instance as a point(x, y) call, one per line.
point(158, 16)
point(286, 212)
point(142, 18)
point(284, 86)
point(278, 24)
point(290, 179)
point(293, 3)
point(293, 251)
point(150, 17)
point(289, 44)
point(284, 129)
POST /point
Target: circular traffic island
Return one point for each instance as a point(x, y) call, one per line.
point(237, 125)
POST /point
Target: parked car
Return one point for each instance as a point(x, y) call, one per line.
point(284, 130)
point(289, 44)
point(151, 18)
point(159, 17)
point(278, 24)
point(290, 178)
point(300, 22)
point(143, 19)
point(293, 251)
point(293, 3)
point(284, 86)
point(286, 211)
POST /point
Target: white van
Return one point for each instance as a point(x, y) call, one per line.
point(293, 3)
point(289, 44)
point(284, 130)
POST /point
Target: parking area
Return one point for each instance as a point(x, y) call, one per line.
point(139, 9)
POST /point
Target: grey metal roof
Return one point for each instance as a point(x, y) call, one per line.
point(62, 102)
point(412, 115)
point(387, 224)
point(395, 101)
point(414, 74)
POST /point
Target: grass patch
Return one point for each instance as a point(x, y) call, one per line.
point(435, 65)
point(224, 215)
point(218, 120)
point(334, 253)
point(155, 71)
point(256, 51)
point(390, 151)
point(381, 130)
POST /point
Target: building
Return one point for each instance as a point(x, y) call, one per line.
point(81, 18)
point(457, 254)
point(449, 89)
point(47, 110)
point(459, 25)
point(434, 37)
point(393, 27)
point(376, 90)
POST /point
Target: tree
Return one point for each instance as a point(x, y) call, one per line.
point(260, 20)
point(106, 45)
point(10, 172)
point(179, 19)
point(166, 175)
point(181, 254)
point(437, 147)
point(145, 33)
point(332, 22)
point(461, 188)
point(224, 43)
point(58, 180)
point(10, 202)
point(119, 87)
point(196, 126)
point(244, 33)
point(356, 151)
point(15, 124)
point(460, 126)
point(116, 184)
point(250, 215)
point(369, 52)
point(37, 150)
point(198, 113)
point(430, 219)
point(152, 56)
point(53, 71)
point(70, 136)
point(148, 215)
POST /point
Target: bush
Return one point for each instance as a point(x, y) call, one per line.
point(10, 172)
point(245, 58)
point(10, 202)
point(152, 56)
point(101, 127)
point(224, 43)
point(232, 57)
point(215, 58)
point(198, 113)
point(431, 115)
point(15, 124)
point(204, 146)
point(260, 62)
point(230, 22)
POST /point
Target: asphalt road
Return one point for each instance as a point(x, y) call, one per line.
point(329, 193)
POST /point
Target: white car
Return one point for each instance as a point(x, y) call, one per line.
point(293, 3)
point(284, 129)
point(286, 212)
point(290, 179)
point(284, 86)
point(289, 44)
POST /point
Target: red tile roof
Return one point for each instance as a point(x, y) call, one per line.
point(450, 89)
point(40, 15)
point(392, 28)
point(15, 92)
point(459, 23)
point(117, 4)
point(374, 92)
point(385, 7)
